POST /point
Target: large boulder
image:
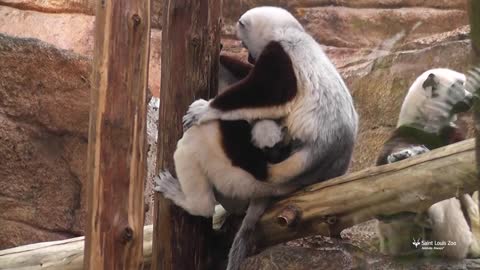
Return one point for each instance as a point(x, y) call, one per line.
point(44, 109)
point(53, 6)
point(74, 32)
point(75, 6)
point(332, 255)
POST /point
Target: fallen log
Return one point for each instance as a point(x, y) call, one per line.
point(411, 185)
point(322, 209)
point(59, 255)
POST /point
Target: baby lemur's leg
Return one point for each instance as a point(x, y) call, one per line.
point(240, 184)
point(290, 168)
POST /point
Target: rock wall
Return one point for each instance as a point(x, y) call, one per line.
point(45, 57)
point(44, 99)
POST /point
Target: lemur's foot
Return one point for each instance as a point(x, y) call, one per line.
point(406, 153)
point(219, 217)
point(169, 186)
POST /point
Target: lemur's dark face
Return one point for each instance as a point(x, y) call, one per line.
point(447, 95)
point(464, 99)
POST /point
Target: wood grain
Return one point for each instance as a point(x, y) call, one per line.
point(59, 255)
point(410, 185)
point(474, 18)
point(117, 136)
point(190, 48)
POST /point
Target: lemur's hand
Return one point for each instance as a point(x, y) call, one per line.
point(199, 112)
point(194, 113)
point(406, 153)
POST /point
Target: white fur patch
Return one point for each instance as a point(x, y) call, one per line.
point(406, 153)
point(266, 133)
point(260, 25)
point(471, 205)
point(219, 217)
point(449, 224)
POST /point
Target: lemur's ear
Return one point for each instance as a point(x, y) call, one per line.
point(430, 82)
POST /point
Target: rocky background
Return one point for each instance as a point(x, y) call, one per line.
point(46, 49)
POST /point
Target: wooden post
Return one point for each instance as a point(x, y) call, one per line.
point(190, 48)
point(117, 136)
point(474, 15)
point(474, 12)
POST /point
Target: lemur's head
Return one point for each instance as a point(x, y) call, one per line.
point(434, 99)
point(258, 26)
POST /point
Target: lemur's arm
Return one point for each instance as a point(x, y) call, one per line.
point(236, 67)
point(290, 168)
point(264, 93)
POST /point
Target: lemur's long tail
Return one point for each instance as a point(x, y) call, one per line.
point(244, 241)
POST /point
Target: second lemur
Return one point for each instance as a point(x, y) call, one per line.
point(426, 122)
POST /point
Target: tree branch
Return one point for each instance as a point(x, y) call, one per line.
point(412, 185)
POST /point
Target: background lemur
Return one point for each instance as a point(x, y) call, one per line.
point(426, 122)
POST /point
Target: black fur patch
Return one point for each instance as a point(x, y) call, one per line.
point(271, 82)
point(462, 106)
point(238, 68)
point(237, 137)
point(251, 60)
point(237, 144)
point(278, 153)
point(430, 82)
point(406, 136)
point(451, 134)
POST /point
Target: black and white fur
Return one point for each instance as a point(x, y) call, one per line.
point(266, 134)
point(426, 122)
point(292, 80)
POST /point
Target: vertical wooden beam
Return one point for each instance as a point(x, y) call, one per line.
point(190, 48)
point(474, 12)
point(474, 15)
point(117, 136)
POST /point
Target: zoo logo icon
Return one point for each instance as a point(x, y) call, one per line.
point(432, 245)
point(416, 243)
